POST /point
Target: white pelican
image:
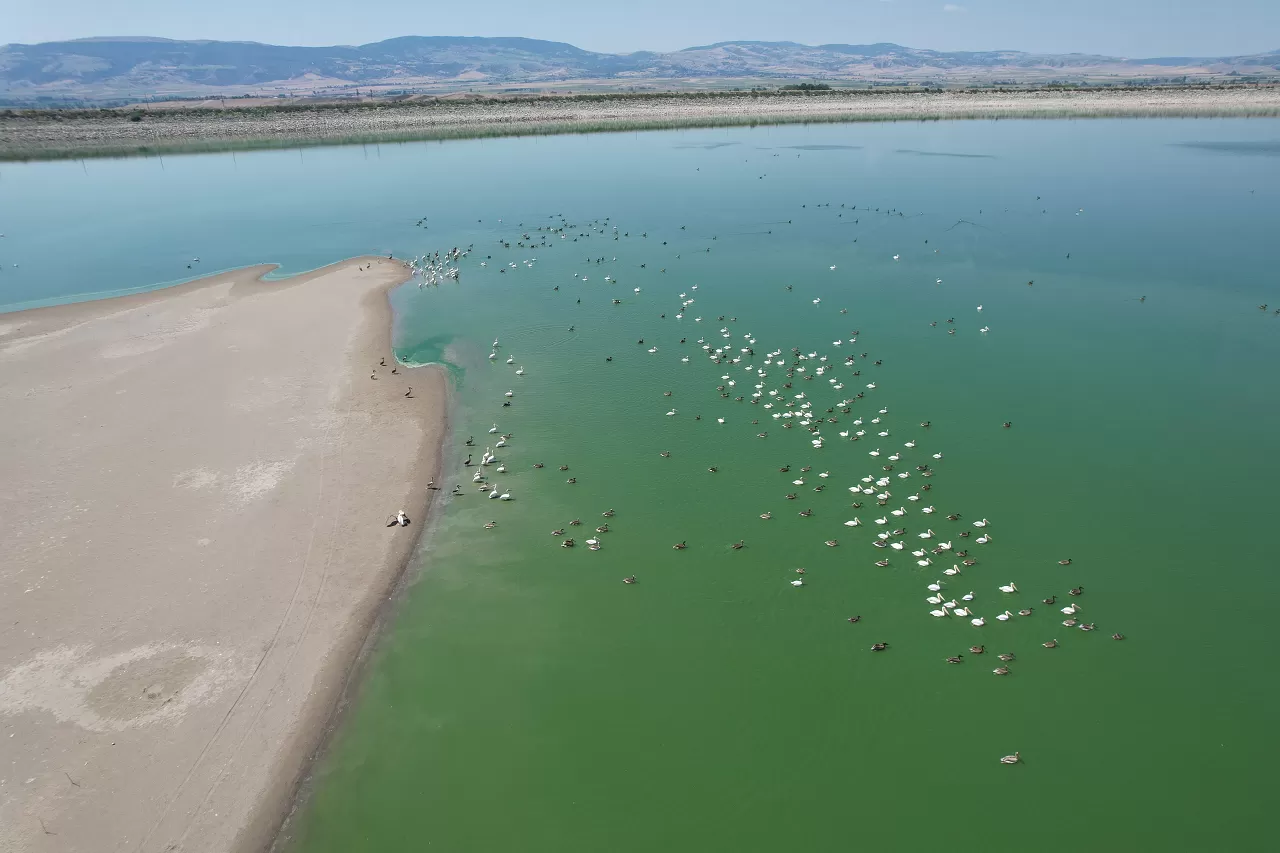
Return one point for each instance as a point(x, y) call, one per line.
point(509, 394)
point(967, 597)
point(909, 444)
point(983, 539)
point(492, 356)
point(944, 546)
point(402, 519)
point(882, 521)
point(875, 452)
point(982, 523)
point(1005, 616)
point(653, 349)
point(895, 257)
point(502, 469)
point(978, 622)
point(937, 456)
point(935, 599)
point(798, 582)
point(719, 420)
point(1071, 609)
point(493, 495)
point(928, 534)
point(1009, 587)
point(502, 442)
point(897, 546)
point(935, 586)
point(511, 360)
point(920, 553)
point(520, 372)
point(927, 509)
point(854, 523)
point(964, 611)
point(671, 413)
point(979, 307)
point(942, 612)
point(954, 570)
point(925, 562)
point(899, 512)
point(493, 429)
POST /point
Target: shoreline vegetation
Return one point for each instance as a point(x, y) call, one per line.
point(227, 560)
point(75, 134)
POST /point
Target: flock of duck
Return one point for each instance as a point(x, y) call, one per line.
point(834, 408)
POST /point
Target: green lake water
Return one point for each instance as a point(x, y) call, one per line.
point(525, 699)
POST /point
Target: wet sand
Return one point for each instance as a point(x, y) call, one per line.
point(39, 134)
point(193, 548)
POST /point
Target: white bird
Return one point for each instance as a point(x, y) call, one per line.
point(502, 442)
point(511, 360)
point(928, 534)
point(882, 521)
point(1009, 587)
point(897, 546)
point(925, 562)
point(982, 523)
point(797, 582)
point(942, 612)
point(854, 523)
point(935, 586)
point(493, 429)
point(920, 553)
point(720, 420)
point(493, 495)
point(899, 512)
point(954, 570)
point(520, 372)
point(944, 546)
point(833, 267)
point(874, 452)
point(935, 599)
point(927, 509)
point(1005, 616)
point(653, 349)
point(671, 413)
point(964, 611)
point(909, 444)
point(967, 597)
point(895, 257)
point(983, 539)
point(979, 307)
point(1071, 609)
point(979, 622)
point(937, 456)
point(509, 394)
point(502, 469)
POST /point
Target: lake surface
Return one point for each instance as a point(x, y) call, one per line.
point(526, 699)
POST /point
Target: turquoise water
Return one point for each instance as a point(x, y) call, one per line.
point(525, 699)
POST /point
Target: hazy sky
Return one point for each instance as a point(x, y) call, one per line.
point(1134, 28)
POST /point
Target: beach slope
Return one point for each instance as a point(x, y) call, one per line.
point(193, 547)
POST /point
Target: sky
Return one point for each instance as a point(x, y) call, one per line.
point(1129, 28)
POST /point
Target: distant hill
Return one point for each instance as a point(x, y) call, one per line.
point(104, 68)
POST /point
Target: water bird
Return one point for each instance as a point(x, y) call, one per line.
point(1050, 600)
point(879, 647)
point(1076, 590)
point(1117, 636)
point(1005, 616)
point(956, 659)
point(978, 622)
point(1009, 587)
point(982, 523)
point(1025, 611)
point(882, 563)
point(1071, 609)
point(629, 579)
point(1052, 644)
point(1001, 670)
point(967, 597)
point(1011, 759)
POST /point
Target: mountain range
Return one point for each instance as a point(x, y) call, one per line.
point(104, 68)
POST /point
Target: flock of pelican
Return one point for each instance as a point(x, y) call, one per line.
point(775, 383)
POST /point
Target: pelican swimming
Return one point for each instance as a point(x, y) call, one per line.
point(1005, 616)
point(983, 539)
point(1009, 587)
point(982, 523)
point(493, 429)
point(882, 521)
point(1071, 609)
point(978, 622)
point(964, 611)
point(938, 613)
point(928, 534)
point(853, 523)
point(520, 372)
point(967, 597)
point(925, 562)
point(935, 586)
point(954, 570)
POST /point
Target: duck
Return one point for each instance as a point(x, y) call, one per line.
point(1011, 759)
point(956, 659)
point(680, 546)
point(977, 650)
point(882, 563)
point(1050, 600)
point(1065, 562)
point(1025, 612)
point(1052, 644)
point(739, 545)
point(1005, 656)
point(1117, 636)
point(1076, 590)
point(1001, 670)
point(879, 647)
point(831, 543)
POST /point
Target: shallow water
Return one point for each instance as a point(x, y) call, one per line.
point(525, 699)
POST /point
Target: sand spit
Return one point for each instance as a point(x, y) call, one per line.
point(193, 548)
point(52, 134)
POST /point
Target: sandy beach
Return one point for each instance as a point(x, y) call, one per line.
point(41, 134)
point(193, 548)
